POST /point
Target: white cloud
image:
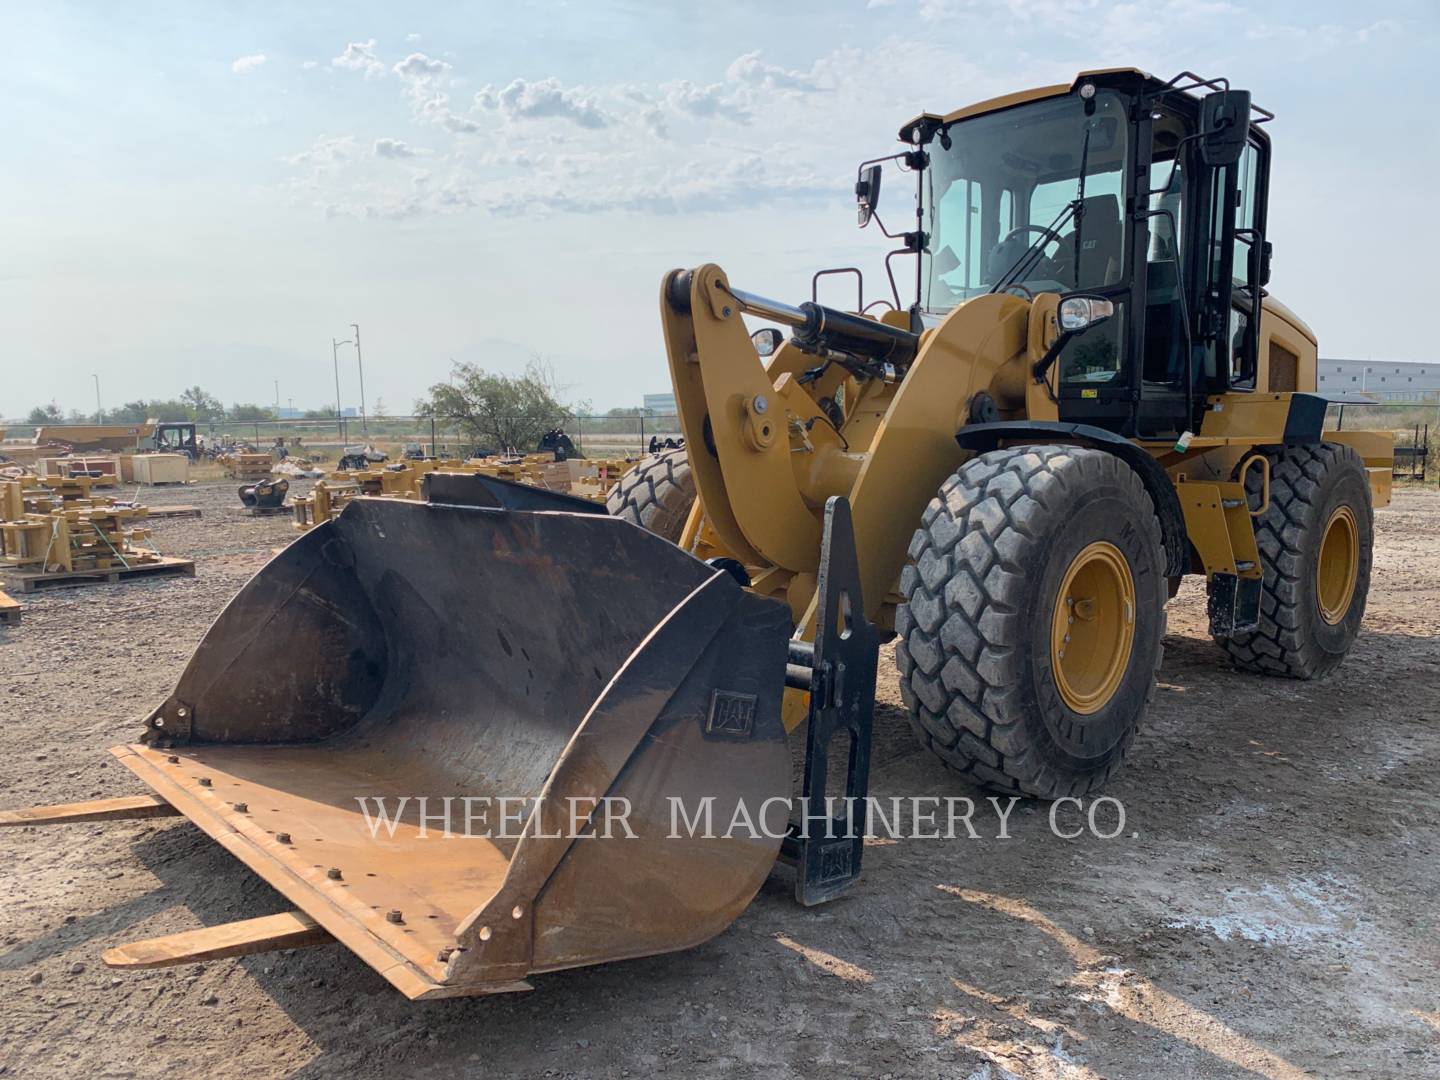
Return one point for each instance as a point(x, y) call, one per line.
point(654, 120)
point(419, 66)
point(309, 65)
point(392, 148)
point(710, 101)
point(751, 69)
point(360, 56)
point(327, 150)
point(411, 39)
point(246, 64)
point(545, 99)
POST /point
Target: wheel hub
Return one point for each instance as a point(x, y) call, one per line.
point(1338, 566)
point(1092, 631)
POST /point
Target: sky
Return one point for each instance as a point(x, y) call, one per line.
point(211, 193)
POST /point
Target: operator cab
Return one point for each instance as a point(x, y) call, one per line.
point(1124, 189)
point(177, 438)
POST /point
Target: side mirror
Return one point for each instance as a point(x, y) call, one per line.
point(1224, 126)
point(867, 194)
point(1263, 275)
point(767, 341)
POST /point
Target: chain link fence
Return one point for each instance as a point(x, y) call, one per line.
point(440, 436)
point(1415, 420)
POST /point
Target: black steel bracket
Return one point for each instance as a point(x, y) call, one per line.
point(1234, 604)
point(838, 671)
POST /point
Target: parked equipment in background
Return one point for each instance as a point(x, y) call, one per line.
point(361, 457)
point(176, 437)
point(265, 495)
point(1412, 458)
point(1077, 408)
point(558, 443)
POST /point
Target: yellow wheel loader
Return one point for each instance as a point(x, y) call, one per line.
point(502, 734)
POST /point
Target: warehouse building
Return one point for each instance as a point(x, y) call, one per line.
point(1385, 380)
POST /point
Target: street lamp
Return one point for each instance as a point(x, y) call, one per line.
point(99, 412)
point(360, 363)
point(335, 359)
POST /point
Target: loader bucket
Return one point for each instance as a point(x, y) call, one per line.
point(411, 720)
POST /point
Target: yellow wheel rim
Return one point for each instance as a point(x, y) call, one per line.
point(1093, 629)
point(1338, 565)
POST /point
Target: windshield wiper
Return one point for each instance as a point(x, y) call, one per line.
point(1079, 203)
point(1031, 255)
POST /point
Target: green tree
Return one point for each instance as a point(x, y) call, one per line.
point(45, 414)
point(136, 412)
point(249, 413)
point(507, 411)
point(201, 406)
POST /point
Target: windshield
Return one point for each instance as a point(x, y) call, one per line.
point(1001, 201)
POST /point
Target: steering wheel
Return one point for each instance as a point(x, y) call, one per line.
point(1019, 230)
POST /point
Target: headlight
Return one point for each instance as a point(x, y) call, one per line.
point(767, 340)
point(1079, 312)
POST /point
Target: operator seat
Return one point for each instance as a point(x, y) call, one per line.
point(1101, 254)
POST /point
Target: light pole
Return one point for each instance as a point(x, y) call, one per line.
point(99, 412)
point(360, 363)
point(277, 399)
point(335, 359)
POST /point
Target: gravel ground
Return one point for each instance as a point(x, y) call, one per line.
point(1267, 910)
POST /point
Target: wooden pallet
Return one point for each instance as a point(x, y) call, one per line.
point(266, 511)
point(9, 610)
point(174, 512)
point(30, 581)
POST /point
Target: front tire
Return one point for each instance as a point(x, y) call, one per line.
point(1013, 542)
point(656, 494)
point(1316, 542)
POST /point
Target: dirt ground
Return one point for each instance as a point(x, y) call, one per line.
point(1267, 910)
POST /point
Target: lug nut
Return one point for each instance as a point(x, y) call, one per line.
point(241, 808)
point(394, 916)
point(282, 837)
point(333, 873)
point(173, 760)
point(204, 781)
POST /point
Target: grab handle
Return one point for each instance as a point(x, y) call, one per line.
point(1264, 480)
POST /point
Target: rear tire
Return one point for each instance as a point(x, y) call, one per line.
point(656, 494)
point(1002, 553)
point(1309, 614)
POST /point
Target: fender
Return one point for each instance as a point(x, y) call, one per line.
point(982, 437)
